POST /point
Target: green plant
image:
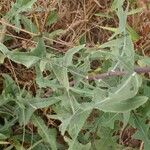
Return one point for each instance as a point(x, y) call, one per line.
point(90, 111)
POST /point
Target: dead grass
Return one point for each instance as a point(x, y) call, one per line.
point(78, 20)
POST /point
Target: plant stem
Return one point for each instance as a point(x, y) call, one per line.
point(138, 70)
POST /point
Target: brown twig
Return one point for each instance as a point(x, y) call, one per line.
point(108, 74)
point(138, 70)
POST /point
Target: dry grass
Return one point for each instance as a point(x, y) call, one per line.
point(78, 20)
point(141, 24)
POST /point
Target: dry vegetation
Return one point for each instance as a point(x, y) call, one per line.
point(78, 19)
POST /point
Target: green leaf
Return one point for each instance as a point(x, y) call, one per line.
point(17, 145)
point(10, 87)
point(69, 54)
point(116, 4)
point(52, 18)
point(122, 15)
point(72, 123)
point(4, 49)
point(26, 58)
point(2, 136)
point(25, 114)
point(48, 135)
point(77, 145)
point(119, 99)
point(106, 141)
point(134, 35)
point(40, 50)
point(127, 105)
point(44, 82)
point(82, 92)
point(23, 58)
point(2, 58)
point(135, 11)
point(25, 5)
point(38, 103)
point(142, 132)
point(112, 43)
point(146, 89)
point(108, 119)
point(144, 62)
point(28, 24)
point(99, 94)
point(18, 7)
point(126, 117)
point(61, 72)
point(122, 50)
point(33, 104)
point(56, 33)
point(43, 64)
